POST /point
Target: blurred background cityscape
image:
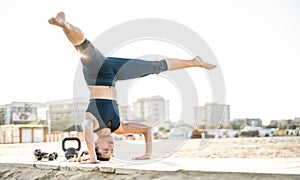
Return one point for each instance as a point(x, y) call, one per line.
point(27, 122)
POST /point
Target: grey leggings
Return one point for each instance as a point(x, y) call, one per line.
point(104, 71)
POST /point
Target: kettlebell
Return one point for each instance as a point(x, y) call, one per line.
point(71, 152)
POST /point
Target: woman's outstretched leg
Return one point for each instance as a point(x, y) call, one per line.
point(174, 64)
point(135, 68)
point(74, 34)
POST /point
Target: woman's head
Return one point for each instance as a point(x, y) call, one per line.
point(99, 156)
point(104, 148)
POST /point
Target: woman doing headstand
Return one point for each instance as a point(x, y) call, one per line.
point(101, 73)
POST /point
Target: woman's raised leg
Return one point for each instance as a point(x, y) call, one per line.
point(135, 68)
point(74, 34)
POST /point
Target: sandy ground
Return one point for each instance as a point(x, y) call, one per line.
point(260, 147)
point(256, 148)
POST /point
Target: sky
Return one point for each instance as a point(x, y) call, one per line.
point(255, 42)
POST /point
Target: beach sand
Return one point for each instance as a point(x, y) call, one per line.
point(256, 147)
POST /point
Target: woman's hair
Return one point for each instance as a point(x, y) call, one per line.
point(98, 154)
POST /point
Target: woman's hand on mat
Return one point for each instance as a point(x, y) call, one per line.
point(142, 157)
point(83, 160)
point(89, 162)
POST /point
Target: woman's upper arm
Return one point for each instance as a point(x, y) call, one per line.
point(120, 130)
point(133, 128)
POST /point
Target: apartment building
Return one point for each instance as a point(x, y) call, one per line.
point(212, 115)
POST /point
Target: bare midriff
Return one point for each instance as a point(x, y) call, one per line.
point(103, 92)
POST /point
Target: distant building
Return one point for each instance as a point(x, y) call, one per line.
point(22, 122)
point(148, 110)
point(65, 113)
point(126, 113)
point(273, 124)
point(212, 115)
point(22, 113)
point(285, 124)
point(242, 122)
point(254, 122)
point(23, 133)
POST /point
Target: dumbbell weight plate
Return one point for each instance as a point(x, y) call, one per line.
point(51, 157)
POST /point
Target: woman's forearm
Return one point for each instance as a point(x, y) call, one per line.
point(148, 141)
point(136, 128)
point(87, 126)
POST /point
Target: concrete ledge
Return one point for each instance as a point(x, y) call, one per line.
point(19, 171)
point(170, 168)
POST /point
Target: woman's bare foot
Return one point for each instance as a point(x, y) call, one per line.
point(59, 20)
point(145, 157)
point(204, 64)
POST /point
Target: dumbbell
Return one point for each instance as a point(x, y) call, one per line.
point(39, 155)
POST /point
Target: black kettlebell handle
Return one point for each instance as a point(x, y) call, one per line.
point(70, 139)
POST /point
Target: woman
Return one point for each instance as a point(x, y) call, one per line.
point(101, 73)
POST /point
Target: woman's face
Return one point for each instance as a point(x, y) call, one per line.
point(105, 146)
